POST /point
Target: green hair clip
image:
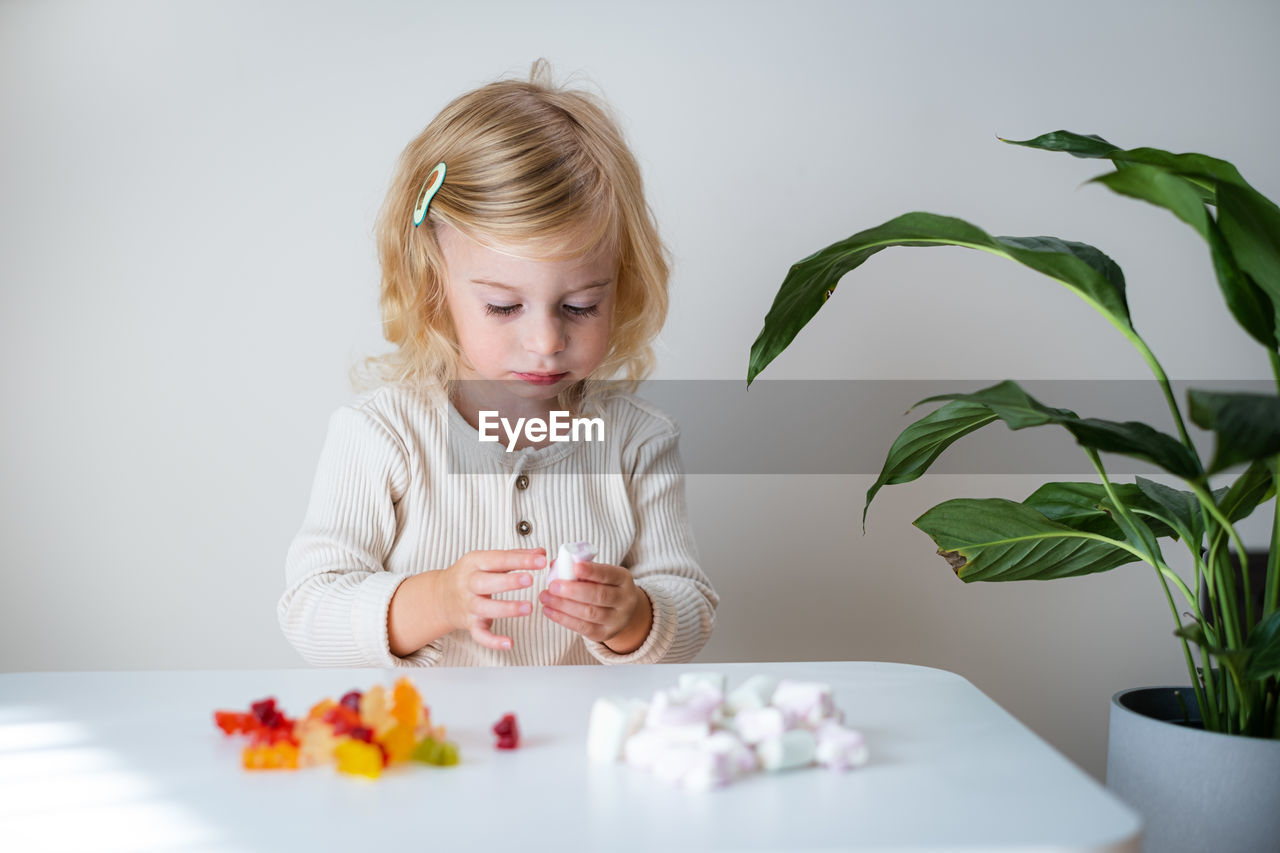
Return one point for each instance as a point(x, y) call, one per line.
point(433, 183)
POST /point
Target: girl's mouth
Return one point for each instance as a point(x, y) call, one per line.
point(541, 378)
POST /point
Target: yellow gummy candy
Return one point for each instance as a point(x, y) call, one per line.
point(359, 758)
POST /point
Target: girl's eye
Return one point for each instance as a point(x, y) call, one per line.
point(501, 310)
point(583, 310)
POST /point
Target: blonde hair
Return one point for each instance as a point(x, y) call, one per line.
point(528, 163)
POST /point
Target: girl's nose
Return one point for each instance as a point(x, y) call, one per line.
point(545, 336)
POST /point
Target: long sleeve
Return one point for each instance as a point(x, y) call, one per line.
point(663, 560)
point(337, 588)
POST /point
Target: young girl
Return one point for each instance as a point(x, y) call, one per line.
point(521, 268)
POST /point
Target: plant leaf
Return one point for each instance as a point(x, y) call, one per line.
point(1264, 648)
point(1176, 508)
point(811, 282)
point(1163, 189)
point(1249, 304)
point(1202, 170)
point(917, 446)
point(992, 539)
point(1250, 224)
point(1087, 507)
point(1247, 425)
point(1089, 146)
point(1019, 409)
point(1251, 488)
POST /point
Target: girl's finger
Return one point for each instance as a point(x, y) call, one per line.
point(492, 608)
point(481, 634)
point(578, 626)
point(487, 583)
point(585, 592)
point(587, 613)
point(510, 561)
point(600, 573)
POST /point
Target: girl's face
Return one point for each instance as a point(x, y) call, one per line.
point(533, 326)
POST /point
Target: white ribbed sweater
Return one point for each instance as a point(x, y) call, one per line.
point(404, 485)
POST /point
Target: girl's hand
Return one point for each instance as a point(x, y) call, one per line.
point(471, 581)
point(603, 604)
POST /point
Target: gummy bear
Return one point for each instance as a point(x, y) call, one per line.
point(432, 751)
point(280, 756)
point(507, 731)
point(359, 758)
point(351, 699)
point(375, 709)
point(316, 742)
point(342, 718)
point(406, 703)
point(234, 722)
point(398, 742)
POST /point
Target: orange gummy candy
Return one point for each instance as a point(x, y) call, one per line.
point(407, 703)
point(278, 756)
point(398, 742)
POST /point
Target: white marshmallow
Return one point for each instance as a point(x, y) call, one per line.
point(612, 722)
point(804, 701)
point(742, 758)
point(840, 748)
point(709, 769)
point(759, 724)
point(792, 749)
point(576, 552)
point(643, 748)
point(677, 707)
point(715, 679)
point(674, 762)
point(755, 692)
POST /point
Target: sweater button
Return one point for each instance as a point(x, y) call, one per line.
point(524, 528)
point(522, 482)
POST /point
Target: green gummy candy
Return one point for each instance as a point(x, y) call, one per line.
point(431, 751)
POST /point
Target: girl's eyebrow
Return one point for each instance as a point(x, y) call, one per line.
point(603, 283)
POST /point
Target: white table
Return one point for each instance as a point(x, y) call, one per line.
point(132, 761)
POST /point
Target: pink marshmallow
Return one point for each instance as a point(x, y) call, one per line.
point(840, 748)
point(758, 724)
point(806, 702)
point(684, 707)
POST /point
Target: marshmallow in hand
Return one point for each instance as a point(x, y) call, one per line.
point(576, 552)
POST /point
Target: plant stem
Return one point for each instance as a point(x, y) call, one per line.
point(1235, 633)
point(1207, 708)
point(1271, 597)
point(1163, 379)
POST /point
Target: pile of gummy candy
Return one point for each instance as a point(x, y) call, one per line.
point(362, 733)
point(697, 737)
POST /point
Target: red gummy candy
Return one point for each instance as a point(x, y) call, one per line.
point(266, 712)
point(507, 731)
point(351, 699)
point(234, 722)
point(343, 719)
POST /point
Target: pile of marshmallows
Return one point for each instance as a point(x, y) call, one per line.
point(697, 737)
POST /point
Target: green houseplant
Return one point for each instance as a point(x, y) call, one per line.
point(1070, 529)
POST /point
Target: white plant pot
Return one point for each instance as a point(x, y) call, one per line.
point(1196, 791)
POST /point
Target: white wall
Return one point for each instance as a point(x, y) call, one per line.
point(188, 272)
